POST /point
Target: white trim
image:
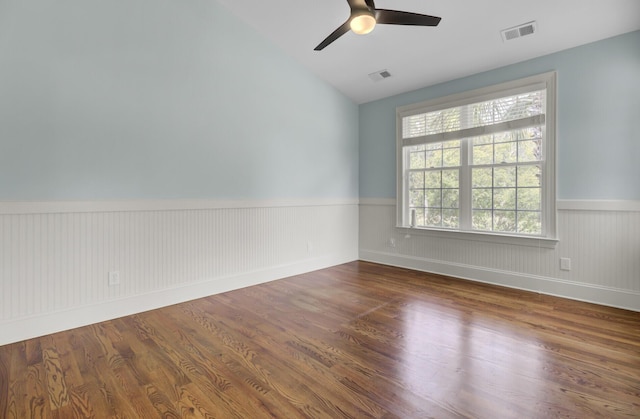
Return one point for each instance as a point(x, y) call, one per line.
point(625, 299)
point(482, 236)
point(598, 205)
point(43, 324)
point(562, 204)
point(386, 202)
point(57, 207)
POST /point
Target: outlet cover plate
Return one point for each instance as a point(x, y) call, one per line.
point(565, 264)
point(114, 278)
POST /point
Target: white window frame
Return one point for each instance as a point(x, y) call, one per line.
point(547, 238)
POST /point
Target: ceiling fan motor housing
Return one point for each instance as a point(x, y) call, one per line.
point(362, 20)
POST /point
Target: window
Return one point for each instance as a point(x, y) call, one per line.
point(481, 161)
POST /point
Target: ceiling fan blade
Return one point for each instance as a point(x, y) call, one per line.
point(344, 28)
point(359, 3)
point(396, 17)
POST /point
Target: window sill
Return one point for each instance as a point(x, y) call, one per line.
point(530, 241)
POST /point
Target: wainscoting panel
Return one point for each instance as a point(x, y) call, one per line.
point(603, 245)
point(55, 259)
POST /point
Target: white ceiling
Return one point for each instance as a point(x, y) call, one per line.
point(466, 42)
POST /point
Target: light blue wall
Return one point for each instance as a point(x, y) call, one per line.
point(598, 140)
point(161, 99)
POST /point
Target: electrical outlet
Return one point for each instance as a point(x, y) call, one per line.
point(565, 264)
point(114, 278)
point(392, 242)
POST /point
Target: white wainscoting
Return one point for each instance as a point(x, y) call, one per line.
point(602, 239)
point(55, 257)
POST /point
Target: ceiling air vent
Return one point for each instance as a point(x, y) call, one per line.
point(518, 31)
point(379, 75)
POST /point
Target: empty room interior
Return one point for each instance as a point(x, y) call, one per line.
point(296, 209)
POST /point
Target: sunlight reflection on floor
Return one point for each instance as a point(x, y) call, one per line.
point(485, 354)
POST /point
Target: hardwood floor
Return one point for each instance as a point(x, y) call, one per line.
point(357, 340)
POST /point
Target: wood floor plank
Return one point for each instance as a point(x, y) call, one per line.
point(353, 341)
point(265, 366)
point(253, 379)
point(4, 383)
point(19, 403)
point(36, 388)
point(121, 391)
point(305, 355)
point(176, 345)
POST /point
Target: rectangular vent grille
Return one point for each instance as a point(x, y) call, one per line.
point(379, 75)
point(519, 31)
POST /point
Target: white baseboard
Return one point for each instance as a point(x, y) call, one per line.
point(607, 296)
point(34, 326)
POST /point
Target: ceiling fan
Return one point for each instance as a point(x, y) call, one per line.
point(364, 17)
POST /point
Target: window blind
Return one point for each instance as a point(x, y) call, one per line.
point(486, 117)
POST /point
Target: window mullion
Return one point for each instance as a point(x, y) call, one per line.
point(465, 185)
point(465, 174)
point(405, 182)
